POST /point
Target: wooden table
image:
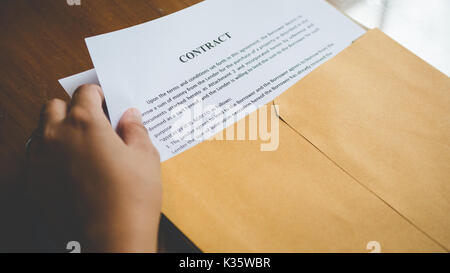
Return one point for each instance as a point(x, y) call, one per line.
point(43, 41)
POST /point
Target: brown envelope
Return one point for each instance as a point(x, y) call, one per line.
point(228, 196)
point(382, 115)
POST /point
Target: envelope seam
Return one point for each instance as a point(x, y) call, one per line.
point(362, 184)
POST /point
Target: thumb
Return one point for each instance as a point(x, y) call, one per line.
point(131, 129)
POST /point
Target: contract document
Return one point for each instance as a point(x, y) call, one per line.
point(197, 71)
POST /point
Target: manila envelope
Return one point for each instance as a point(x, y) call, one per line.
point(332, 185)
point(383, 115)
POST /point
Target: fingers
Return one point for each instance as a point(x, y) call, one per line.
point(53, 112)
point(89, 96)
point(131, 130)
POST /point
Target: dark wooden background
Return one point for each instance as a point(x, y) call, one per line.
point(41, 42)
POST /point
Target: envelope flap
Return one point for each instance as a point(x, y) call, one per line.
point(383, 115)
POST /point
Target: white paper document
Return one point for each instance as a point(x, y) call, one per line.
point(70, 84)
point(214, 62)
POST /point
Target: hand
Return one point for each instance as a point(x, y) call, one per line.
point(115, 177)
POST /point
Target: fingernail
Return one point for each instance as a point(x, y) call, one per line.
point(137, 114)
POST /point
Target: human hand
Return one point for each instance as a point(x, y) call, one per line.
point(114, 176)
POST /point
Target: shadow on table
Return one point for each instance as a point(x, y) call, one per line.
point(172, 240)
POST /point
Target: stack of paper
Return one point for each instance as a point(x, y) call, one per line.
point(229, 54)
